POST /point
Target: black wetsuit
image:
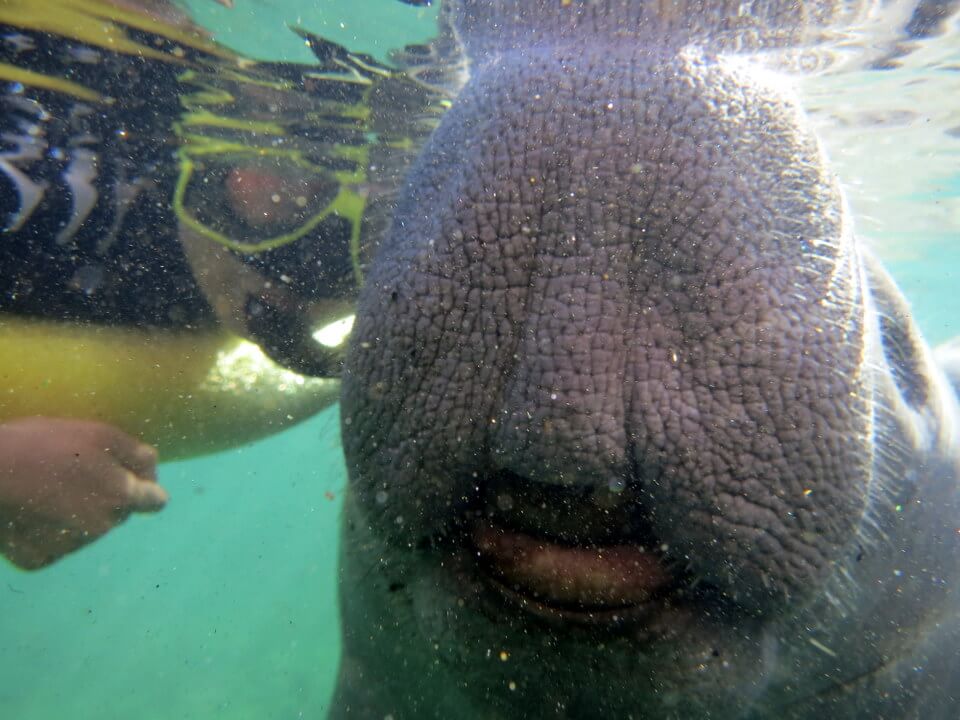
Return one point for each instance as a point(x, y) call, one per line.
point(100, 240)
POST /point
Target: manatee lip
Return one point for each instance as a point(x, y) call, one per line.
point(578, 554)
point(587, 579)
point(649, 615)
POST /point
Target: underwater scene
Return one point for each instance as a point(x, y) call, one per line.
point(627, 325)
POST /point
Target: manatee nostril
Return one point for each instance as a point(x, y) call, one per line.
point(575, 515)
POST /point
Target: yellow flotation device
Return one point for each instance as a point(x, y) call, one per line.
point(185, 392)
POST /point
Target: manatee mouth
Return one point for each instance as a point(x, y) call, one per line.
point(579, 583)
point(580, 555)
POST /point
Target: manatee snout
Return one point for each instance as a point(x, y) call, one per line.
point(629, 273)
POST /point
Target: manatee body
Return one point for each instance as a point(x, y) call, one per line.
point(635, 427)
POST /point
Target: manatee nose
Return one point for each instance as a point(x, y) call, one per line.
point(577, 515)
point(562, 415)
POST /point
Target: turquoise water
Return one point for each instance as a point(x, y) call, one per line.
point(260, 28)
point(930, 284)
point(224, 605)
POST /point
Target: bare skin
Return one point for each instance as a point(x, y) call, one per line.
point(65, 483)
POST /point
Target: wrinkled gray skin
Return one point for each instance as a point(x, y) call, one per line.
point(622, 288)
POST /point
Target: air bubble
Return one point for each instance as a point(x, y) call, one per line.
point(616, 485)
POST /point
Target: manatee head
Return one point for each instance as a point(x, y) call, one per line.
point(607, 412)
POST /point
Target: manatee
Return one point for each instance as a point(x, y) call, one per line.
point(635, 425)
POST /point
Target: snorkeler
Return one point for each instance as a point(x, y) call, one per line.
point(64, 482)
point(146, 308)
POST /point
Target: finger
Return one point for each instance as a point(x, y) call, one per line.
point(27, 558)
point(142, 460)
point(23, 554)
point(134, 455)
point(44, 544)
point(144, 495)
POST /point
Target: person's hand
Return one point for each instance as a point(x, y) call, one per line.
point(64, 483)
